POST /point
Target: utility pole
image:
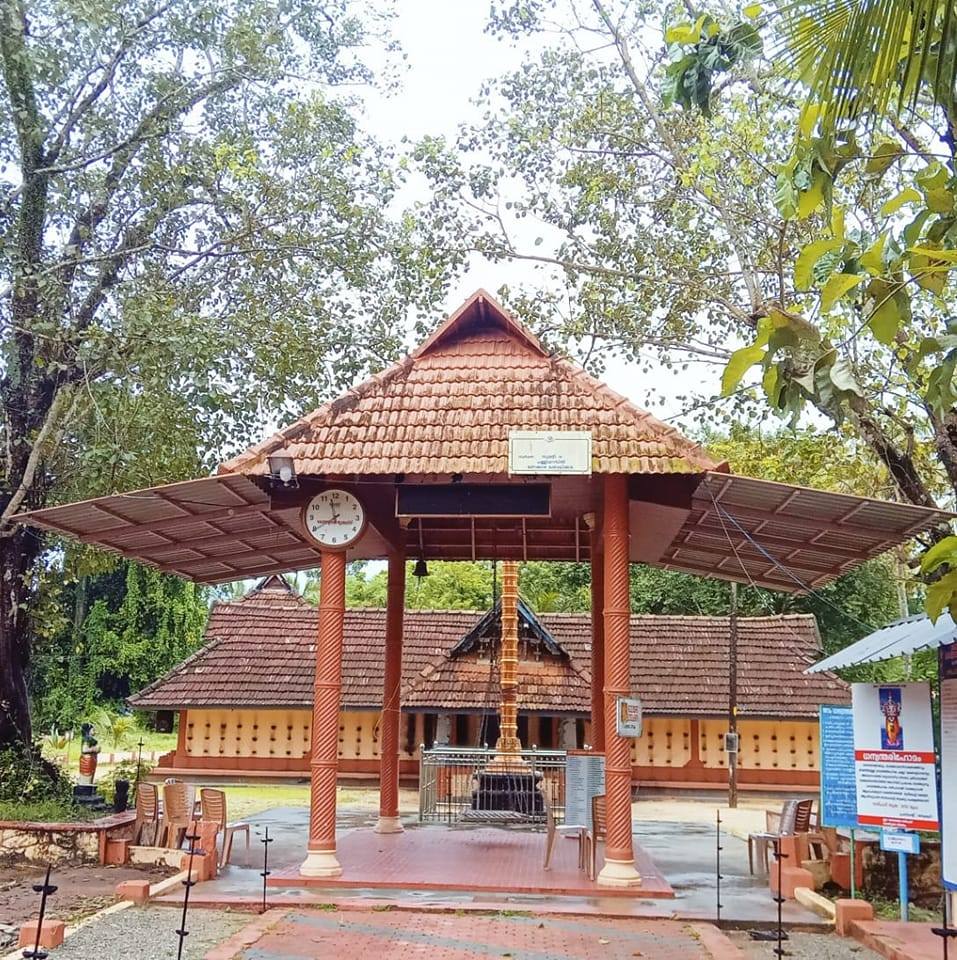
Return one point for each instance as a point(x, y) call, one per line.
point(733, 698)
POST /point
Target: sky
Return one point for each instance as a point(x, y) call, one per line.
point(449, 56)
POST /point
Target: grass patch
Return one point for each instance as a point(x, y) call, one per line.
point(245, 802)
point(152, 742)
point(891, 910)
point(45, 811)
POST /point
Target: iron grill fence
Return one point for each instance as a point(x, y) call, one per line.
point(457, 785)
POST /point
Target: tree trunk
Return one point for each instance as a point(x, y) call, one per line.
point(17, 554)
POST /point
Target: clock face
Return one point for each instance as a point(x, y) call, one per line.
point(334, 518)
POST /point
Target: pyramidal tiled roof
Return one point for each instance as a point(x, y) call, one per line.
point(261, 653)
point(449, 406)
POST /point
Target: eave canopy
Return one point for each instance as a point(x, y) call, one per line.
point(443, 415)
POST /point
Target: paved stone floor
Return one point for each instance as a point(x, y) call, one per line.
point(483, 859)
point(682, 852)
point(358, 936)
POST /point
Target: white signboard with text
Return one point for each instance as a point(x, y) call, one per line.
point(556, 452)
point(948, 760)
point(584, 779)
point(894, 761)
point(628, 717)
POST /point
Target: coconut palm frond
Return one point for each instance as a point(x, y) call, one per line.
point(863, 58)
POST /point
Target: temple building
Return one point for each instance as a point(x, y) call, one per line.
point(244, 700)
point(484, 444)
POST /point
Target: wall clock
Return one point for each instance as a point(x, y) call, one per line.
point(335, 519)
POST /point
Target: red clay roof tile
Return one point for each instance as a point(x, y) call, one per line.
point(261, 652)
point(449, 407)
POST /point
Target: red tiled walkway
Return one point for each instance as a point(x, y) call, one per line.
point(450, 937)
point(900, 941)
point(485, 859)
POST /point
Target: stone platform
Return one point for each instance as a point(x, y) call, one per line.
point(485, 859)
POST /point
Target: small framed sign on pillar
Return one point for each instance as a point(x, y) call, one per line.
point(628, 717)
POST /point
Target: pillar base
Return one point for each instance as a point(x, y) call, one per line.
point(389, 825)
point(619, 873)
point(321, 863)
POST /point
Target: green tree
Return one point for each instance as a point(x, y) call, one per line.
point(193, 240)
point(672, 235)
point(128, 627)
point(450, 585)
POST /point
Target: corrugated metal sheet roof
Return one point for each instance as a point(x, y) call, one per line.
point(897, 639)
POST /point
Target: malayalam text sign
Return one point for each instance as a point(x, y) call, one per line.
point(628, 716)
point(948, 760)
point(894, 759)
point(838, 786)
point(558, 452)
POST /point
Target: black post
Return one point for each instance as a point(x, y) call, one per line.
point(733, 697)
point(189, 882)
point(717, 869)
point(779, 899)
point(45, 890)
point(139, 758)
point(266, 840)
point(946, 931)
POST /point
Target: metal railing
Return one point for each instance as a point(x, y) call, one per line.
point(456, 786)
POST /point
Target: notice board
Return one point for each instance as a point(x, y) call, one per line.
point(948, 761)
point(894, 756)
point(584, 779)
point(838, 787)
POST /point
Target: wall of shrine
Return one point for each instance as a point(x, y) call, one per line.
point(675, 750)
point(280, 739)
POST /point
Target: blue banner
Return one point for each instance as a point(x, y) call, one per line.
point(838, 788)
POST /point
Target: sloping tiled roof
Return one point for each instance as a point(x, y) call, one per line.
point(449, 407)
point(679, 665)
point(261, 652)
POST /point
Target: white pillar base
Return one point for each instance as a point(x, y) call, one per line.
point(320, 863)
point(389, 825)
point(619, 873)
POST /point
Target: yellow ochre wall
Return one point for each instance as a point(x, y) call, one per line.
point(666, 741)
point(765, 744)
point(278, 734)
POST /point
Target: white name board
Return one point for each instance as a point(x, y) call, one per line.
point(894, 762)
point(584, 779)
point(549, 451)
point(628, 717)
point(948, 760)
point(898, 841)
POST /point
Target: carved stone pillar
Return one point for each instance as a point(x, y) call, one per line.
point(619, 869)
point(321, 859)
point(567, 733)
point(389, 820)
point(597, 642)
point(443, 729)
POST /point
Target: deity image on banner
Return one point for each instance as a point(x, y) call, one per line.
point(892, 732)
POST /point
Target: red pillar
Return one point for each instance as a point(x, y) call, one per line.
point(324, 765)
point(619, 869)
point(389, 821)
point(597, 643)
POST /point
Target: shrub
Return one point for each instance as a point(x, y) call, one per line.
point(125, 770)
point(26, 778)
point(114, 727)
point(44, 811)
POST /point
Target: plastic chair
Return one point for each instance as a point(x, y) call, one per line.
point(177, 813)
point(146, 825)
point(551, 832)
point(794, 817)
point(213, 808)
point(597, 834)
